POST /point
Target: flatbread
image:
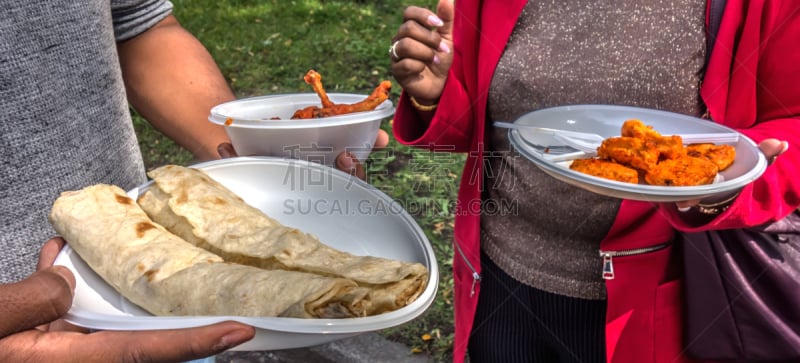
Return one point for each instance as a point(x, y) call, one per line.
point(205, 213)
point(166, 275)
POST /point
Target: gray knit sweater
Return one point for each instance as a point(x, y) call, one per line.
point(64, 119)
point(566, 52)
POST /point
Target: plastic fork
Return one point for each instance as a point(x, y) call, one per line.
point(555, 132)
point(589, 142)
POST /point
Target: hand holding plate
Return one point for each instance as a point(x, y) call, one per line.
point(771, 148)
point(45, 296)
point(345, 161)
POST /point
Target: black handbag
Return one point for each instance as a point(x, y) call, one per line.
point(742, 289)
point(742, 286)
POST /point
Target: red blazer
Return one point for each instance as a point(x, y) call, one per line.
point(752, 84)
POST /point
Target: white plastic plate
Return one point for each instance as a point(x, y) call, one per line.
point(341, 210)
point(607, 120)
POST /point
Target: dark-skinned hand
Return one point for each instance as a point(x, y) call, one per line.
point(31, 329)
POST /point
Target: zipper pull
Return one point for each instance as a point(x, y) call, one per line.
point(608, 267)
point(476, 279)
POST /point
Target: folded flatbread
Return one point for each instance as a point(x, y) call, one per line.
point(202, 211)
point(166, 275)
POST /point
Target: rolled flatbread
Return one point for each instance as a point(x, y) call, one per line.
point(204, 212)
point(166, 275)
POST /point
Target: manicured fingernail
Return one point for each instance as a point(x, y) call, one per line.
point(785, 147)
point(684, 209)
point(444, 48)
point(435, 21)
point(436, 59)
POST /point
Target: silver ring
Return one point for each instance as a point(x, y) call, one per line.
point(393, 52)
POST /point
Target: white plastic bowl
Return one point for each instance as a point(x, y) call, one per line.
point(262, 126)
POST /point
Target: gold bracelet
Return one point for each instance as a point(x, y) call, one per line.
point(718, 207)
point(422, 107)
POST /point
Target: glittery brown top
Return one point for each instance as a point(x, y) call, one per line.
point(645, 53)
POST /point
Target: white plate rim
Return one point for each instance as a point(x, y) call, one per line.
point(623, 190)
point(219, 116)
point(88, 319)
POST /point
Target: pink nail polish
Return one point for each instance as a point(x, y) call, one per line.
point(435, 21)
point(436, 59)
point(444, 48)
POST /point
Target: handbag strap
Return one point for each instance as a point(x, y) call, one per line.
point(715, 10)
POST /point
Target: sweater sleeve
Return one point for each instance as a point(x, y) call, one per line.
point(133, 17)
point(774, 195)
point(449, 129)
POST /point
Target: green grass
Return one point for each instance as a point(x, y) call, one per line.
point(265, 47)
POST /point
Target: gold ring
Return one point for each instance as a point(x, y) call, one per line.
point(393, 52)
